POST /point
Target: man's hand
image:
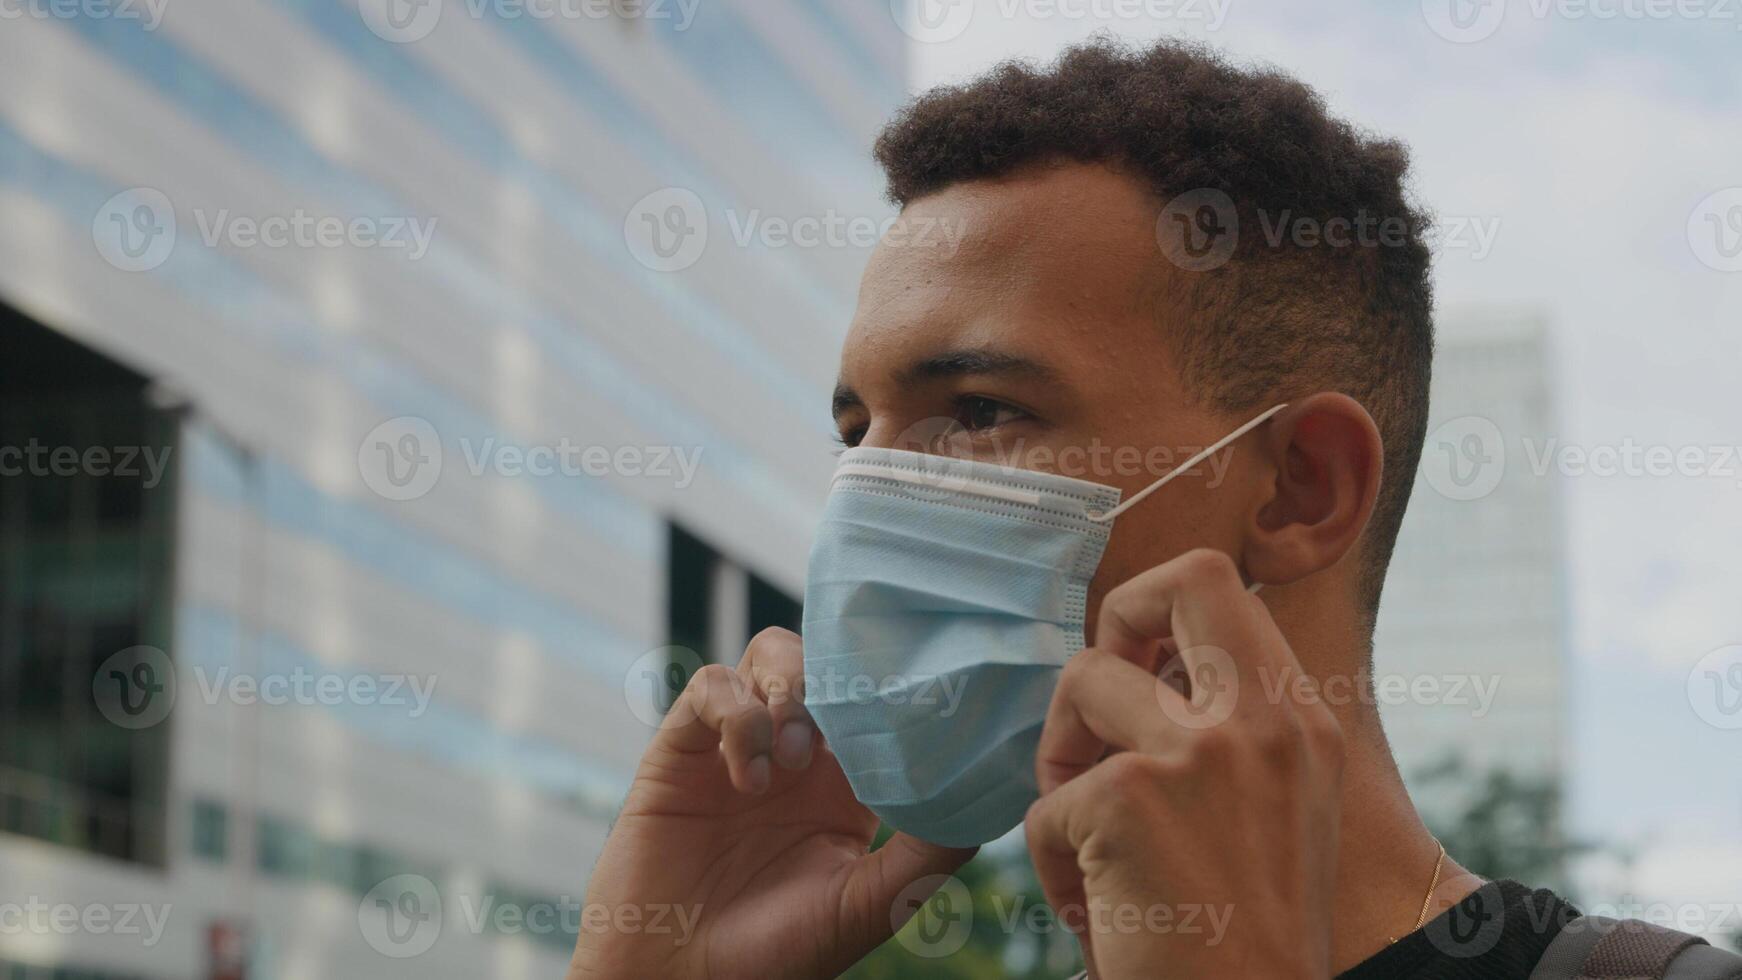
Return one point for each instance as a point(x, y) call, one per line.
point(741, 837)
point(1221, 808)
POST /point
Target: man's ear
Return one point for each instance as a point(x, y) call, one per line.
point(1328, 459)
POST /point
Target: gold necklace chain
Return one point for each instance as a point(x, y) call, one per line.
point(1428, 899)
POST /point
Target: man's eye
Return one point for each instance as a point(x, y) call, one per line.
point(849, 438)
point(975, 413)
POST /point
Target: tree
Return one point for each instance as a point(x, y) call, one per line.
point(1006, 929)
point(1499, 823)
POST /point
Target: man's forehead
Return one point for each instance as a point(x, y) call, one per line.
point(1058, 265)
point(1063, 226)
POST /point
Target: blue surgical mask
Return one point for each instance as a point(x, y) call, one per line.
point(944, 596)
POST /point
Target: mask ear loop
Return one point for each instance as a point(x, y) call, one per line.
point(1186, 466)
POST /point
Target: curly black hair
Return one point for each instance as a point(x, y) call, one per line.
point(1348, 308)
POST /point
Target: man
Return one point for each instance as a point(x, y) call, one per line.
point(1118, 289)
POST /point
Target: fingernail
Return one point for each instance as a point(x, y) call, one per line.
point(794, 748)
point(760, 773)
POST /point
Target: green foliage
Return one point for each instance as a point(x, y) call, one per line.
point(1498, 823)
point(1011, 930)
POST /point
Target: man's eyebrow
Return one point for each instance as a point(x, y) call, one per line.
point(955, 363)
point(845, 399)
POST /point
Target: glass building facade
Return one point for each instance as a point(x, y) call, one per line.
point(1472, 636)
point(355, 272)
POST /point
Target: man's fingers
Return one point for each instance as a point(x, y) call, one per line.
point(1108, 812)
point(1101, 701)
point(1198, 605)
point(718, 708)
point(888, 885)
point(774, 666)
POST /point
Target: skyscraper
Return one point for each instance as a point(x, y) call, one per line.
point(487, 347)
point(1471, 646)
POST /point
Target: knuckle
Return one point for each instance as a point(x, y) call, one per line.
point(1212, 747)
point(772, 640)
point(1132, 775)
point(1283, 741)
point(1071, 677)
point(1120, 595)
point(721, 688)
point(709, 679)
point(780, 689)
point(1036, 821)
point(744, 720)
point(1325, 734)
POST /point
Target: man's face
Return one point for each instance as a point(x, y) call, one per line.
point(1036, 343)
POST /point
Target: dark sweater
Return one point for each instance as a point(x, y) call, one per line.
point(1497, 933)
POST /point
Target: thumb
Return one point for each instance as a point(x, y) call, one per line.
point(886, 887)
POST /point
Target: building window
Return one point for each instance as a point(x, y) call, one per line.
point(211, 830)
point(689, 591)
point(769, 606)
point(86, 507)
point(714, 605)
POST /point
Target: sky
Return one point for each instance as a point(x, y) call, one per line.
point(1601, 141)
